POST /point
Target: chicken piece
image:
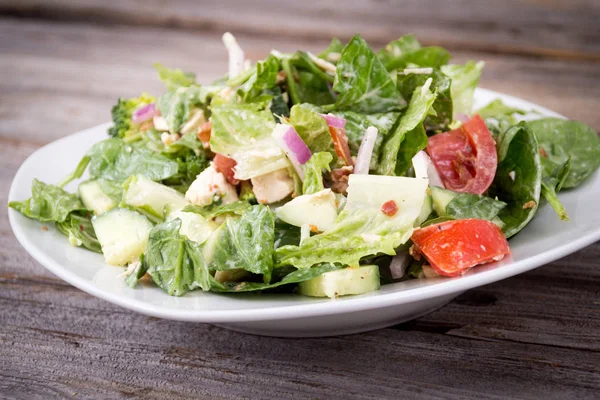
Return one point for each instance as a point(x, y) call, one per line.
point(272, 187)
point(209, 186)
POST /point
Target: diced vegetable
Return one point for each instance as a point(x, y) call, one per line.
point(342, 282)
point(453, 247)
point(151, 198)
point(123, 235)
point(94, 197)
point(318, 210)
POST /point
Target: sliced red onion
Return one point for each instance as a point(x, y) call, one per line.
point(399, 264)
point(425, 169)
point(333, 121)
point(144, 113)
point(365, 152)
point(293, 146)
point(462, 117)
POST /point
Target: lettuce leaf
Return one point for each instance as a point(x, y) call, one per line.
point(362, 229)
point(418, 108)
point(243, 132)
point(362, 82)
point(313, 129)
point(333, 52)
point(464, 81)
point(176, 106)
point(398, 49)
point(313, 172)
point(246, 242)
point(174, 78)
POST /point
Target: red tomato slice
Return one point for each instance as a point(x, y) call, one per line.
point(225, 166)
point(340, 143)
point(453, 247)
point(466, 157)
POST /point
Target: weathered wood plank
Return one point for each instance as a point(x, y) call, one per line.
point(68, 76)
point(550, 28)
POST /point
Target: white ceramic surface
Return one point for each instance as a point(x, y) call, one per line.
point(545, 239)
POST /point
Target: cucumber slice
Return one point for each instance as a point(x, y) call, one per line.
point(441, 198)
point(96, 195)
point(151, 198)
point(342, 282)
point(123, 235)
point(318, 209)
point(426, 210)
point(194, 226)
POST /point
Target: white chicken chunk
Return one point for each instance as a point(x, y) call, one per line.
point(272, 187)
point(209, 186)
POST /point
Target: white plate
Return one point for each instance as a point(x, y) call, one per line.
point(544, 240)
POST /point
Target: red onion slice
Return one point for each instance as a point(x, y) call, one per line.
point(365, 152)
point(333, 121)
point(293, 146)
point(144, 113)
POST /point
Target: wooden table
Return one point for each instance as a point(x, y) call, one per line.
point(63, 64)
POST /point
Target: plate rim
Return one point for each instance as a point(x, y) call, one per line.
point(302, 310)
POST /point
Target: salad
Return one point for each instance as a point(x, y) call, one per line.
point(326, 174)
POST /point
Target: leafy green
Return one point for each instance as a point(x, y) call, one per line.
point(333, 52)
point(246, 242)
point(189, 166)
point(116, 160)
point(418, 108)
point(562, 139)
point(464, 81)
point(357, 124)
point(48, 203)
point(441, 83)
point(432, 57)
point(138, 272)
point(313, 172)
point(498, 108)
point(518, 158)
point(176, 106)
point(296, 276)
point(313, 129)
point(555, 174)
point(286, 234)
point(123, 126)
point(263, 77)
point(413, 142)
point(175, 263)
point(468, 205)
point(398, 49)
point(363, 83)
point(243, 132)
point(215, 209)
point(78, 227)
point(174, 78)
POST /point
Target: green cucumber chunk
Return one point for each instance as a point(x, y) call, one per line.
point(342, 282)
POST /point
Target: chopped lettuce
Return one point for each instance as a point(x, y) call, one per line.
point(313, 172)
point(174, 78)
point(464, 81)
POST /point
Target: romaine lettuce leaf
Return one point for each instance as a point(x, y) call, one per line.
point(313, 172)
point(464, 81)
point(313, 129)
point(176, 106)
point(469, 205)
point(398, 49)
point(78, 227)
point(441, 84)
point(333, 52)
point(363, 83)
point(407, 51)
point(246, 242)
point(174, 78)
point(418, 108)
point(362, 229)
point(263, 77)
point(215, 209)
point(413, 142)
point(243, 132)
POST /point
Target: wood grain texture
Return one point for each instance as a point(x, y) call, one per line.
point(63, 64)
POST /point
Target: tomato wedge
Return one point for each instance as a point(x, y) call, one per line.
point(340, 143)
point(453, 247)
point(225, 165)
point(466, 157)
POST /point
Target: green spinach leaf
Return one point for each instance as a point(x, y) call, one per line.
point(215, 209)
point(78, 227)
point(518, 177)
point(175, 263)
point(569, 139)
point(468, 205)
point(246, 242)
point(333, 52)
point(363, 83)
point(413, 142)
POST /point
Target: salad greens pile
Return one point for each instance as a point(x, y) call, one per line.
point(309, 171)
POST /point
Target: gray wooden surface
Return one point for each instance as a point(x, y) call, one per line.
point(63, 64)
